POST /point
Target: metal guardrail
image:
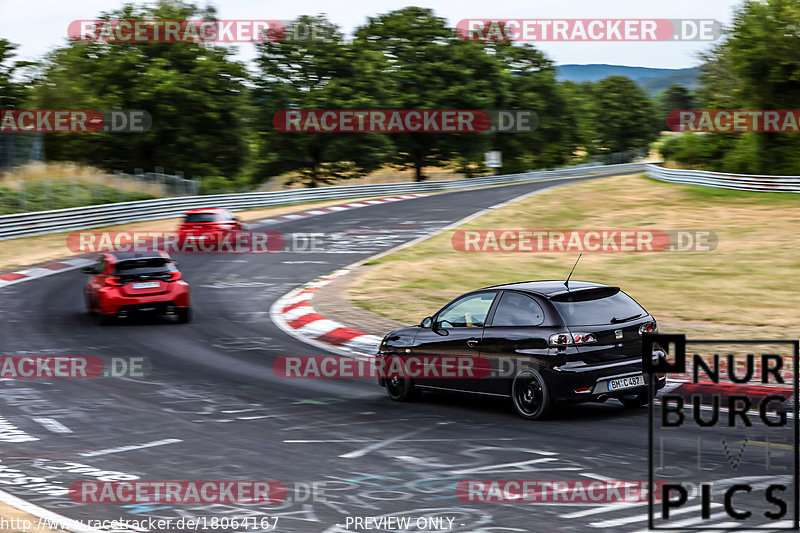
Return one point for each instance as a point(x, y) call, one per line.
point(740, 182)
point(75, 218)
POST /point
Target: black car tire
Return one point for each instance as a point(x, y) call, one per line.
point(400, 388)
point(184, 315)
point(530, 395)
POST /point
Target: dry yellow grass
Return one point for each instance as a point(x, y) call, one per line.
point(744, 287)
point(15, 253)
point(77, 174)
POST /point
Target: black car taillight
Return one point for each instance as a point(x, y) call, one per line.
point(648, 327)
point(571, 339)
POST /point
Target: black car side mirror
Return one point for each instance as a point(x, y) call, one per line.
point(427, 322)
point(88, 270)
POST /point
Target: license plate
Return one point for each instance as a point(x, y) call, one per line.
point(146, 285)
point(626, 383)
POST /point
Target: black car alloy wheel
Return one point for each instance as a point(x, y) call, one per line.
point(530, 395)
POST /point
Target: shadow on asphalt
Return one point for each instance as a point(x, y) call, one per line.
point(137, 319)
point(504, 411)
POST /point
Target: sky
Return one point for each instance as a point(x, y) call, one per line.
point(38, 26)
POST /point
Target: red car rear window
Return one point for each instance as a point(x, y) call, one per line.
point(197, 218)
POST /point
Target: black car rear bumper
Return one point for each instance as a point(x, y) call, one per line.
point(161, 308)
point(578, 382)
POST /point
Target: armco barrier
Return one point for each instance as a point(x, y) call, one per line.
point(75, 218)
point(741, 182)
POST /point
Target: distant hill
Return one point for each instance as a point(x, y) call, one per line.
point(653, 80)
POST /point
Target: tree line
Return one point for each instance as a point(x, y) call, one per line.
point(212, 115)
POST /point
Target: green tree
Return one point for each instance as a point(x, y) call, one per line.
point(676, 96)
point(428, 67)
point(624, 115)
point(579, 98)
point(13, 93)
point(525, 79)
point(323, 72)
point(757, 67)
point(195, 93)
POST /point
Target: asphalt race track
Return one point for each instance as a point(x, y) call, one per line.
point(213, 409)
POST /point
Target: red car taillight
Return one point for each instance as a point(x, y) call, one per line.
point(175, 276)
point(113, 281)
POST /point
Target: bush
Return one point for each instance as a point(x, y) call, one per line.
point(223, 185)
point(43, 195)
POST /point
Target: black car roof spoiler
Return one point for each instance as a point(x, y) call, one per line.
point(584, 294)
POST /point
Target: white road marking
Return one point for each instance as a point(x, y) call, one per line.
point(607, 508)
point(688, 522)
point(131, 447)
point(503, 467)
point(40, 512)
point(380, 444)
point(323, 441)
point(597, 476)
point(53, 425)
point(643, 517)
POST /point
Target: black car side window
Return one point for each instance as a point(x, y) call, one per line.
point(467, 312)
point(516, 309)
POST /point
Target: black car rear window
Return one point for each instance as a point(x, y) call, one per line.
point(606, 305)
point(147, 265)
point(196, 218)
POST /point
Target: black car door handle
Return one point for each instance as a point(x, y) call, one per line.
point(472, 343)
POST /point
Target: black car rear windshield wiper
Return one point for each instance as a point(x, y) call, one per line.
point(615, 320)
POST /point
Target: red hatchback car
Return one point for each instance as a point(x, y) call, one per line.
point(208, 225)
point(125, 283)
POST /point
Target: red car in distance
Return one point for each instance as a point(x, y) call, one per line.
point(208, 225)
point(125, 283)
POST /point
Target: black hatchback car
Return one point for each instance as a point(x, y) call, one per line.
point(542, 343)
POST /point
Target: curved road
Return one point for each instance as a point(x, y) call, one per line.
point(213, 409)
